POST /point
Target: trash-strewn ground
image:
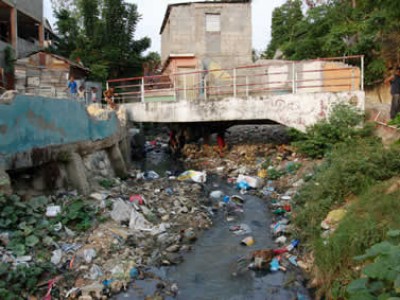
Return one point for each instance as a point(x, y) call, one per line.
point(91, 248)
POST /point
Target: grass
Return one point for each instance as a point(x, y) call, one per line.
point(356, 174)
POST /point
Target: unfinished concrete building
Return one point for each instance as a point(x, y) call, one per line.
point(21, 25)
point(21, 28)
point(206, 35)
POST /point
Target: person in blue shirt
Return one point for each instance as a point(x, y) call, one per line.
point(73, 87)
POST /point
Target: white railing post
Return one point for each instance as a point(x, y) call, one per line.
point(205, 87)
point(247, 86)
point(174, 87)
point(362, 72)
point(234, 83)
point(184, 87)
point(294, 76)
point(142, 90)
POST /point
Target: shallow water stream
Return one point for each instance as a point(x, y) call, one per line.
point(206, 272)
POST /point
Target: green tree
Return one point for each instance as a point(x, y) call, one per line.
point(68, 32)
point(284, 20)
point(337, 28)
point(102, 34)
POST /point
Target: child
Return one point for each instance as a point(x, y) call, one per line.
point(94, 95)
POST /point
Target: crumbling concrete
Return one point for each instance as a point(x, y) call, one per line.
point(76, 174)
point(5, 183)
point(117, 161)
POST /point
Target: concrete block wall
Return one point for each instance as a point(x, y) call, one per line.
point(185, 32)
point(34, 8)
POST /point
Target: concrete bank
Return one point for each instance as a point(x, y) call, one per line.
point(36, 132)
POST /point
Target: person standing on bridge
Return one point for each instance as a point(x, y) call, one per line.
point(109, 97)
point(73, 87)
point(394, 81)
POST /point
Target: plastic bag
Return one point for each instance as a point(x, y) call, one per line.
point(196, 176)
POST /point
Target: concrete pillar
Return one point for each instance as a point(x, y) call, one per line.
point(76, 174)
point(117, 161)
point(125, 148)
point(41, 36)
point(14, 28)
point(5, 183)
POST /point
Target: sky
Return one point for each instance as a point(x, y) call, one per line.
point(153, 11)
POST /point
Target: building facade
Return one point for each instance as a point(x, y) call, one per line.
point(21, 27)
point(206, 35)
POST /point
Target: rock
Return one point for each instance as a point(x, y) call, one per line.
point(116, 286)
point(97, 196)
point(95, 288)
point(5, 183)
point(173, 248)
point(189, 235)
point(173, 258)
point(121, 211)
point(102, 165)
point(184, 210)
point(165, 218)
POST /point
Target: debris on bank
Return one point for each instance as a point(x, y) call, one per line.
point(96, 247)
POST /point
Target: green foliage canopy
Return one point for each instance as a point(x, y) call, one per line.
point(338, 28)
point(102, 35)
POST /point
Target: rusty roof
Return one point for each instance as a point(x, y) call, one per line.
point(68, 61)
point(170, 6)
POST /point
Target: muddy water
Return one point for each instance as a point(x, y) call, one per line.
point(207, 271)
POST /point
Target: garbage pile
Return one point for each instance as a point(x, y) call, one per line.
point(92, 248)
point(274, 172)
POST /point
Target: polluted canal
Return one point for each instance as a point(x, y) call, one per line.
point(219, 264)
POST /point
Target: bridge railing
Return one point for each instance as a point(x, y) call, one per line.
point(335, 74)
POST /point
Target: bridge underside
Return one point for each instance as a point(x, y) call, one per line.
point(292, 110)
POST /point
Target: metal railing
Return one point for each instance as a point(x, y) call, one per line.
point(334, 74)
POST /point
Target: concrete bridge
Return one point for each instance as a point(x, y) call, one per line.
point(293, 93)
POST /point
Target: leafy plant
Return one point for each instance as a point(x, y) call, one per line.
point(107, 183)
point(341, 126)
point(382, 274)
point(19, 282)
point(77, 215)
point(274, 174)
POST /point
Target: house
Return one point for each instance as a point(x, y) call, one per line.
point(47, 74)
point(21, 26)
point(206, 35)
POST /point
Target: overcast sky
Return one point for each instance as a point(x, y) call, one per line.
point(153, 11)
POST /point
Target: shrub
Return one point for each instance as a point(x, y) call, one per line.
point(357, 170)
point(343, 125)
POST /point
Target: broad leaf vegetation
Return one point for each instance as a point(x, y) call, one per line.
point(330, 28)
point(101, 33)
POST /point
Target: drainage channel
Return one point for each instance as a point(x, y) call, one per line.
point(209, 271)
